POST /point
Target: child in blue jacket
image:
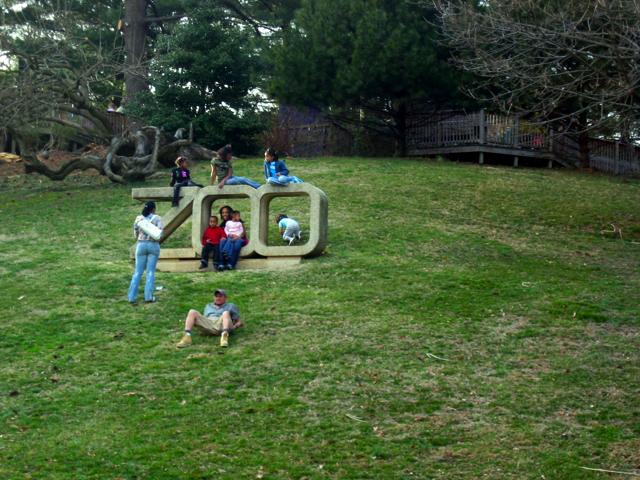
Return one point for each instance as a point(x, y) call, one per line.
point(275, 170)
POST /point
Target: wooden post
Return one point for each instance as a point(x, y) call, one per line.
point(515, 162)
point(616, 160)
point(550, 164)
point(516, 131)
point(481, 121)
point(481, 158)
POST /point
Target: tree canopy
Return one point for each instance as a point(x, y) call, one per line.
point(372, 59)
point(204, 72)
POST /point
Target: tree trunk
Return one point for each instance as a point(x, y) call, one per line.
point(118, 167)
point(135, 36)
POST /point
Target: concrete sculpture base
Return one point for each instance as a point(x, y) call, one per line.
point(274, 263)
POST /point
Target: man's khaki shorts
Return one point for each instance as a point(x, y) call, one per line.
point(209, 325)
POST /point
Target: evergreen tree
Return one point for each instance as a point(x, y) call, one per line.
point(204, 72)
point(372, 59)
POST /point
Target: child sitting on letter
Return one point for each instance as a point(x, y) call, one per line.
point(211, 239)
point(275, 170)
point(181, 177)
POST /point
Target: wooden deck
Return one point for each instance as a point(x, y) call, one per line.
point(453, 132)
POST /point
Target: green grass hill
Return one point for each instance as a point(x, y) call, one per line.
point(464, 322)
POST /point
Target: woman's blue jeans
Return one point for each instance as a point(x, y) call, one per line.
point(147, 254)
point(241, 181)
point(231, 249)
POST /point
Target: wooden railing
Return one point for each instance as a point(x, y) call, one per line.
point(119, 122)
point(458, 128)
point(455, 128)
point(614, 157)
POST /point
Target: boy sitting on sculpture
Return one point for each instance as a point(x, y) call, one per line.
point(211, 239)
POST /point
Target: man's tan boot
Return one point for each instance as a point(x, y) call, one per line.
point(185, 341)
point(224, 339)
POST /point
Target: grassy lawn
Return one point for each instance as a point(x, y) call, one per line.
point(465, 322)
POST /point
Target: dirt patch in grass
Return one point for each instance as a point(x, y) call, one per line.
point(625, 454)
point(12, 238)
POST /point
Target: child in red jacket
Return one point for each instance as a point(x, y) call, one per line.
point(211, 243)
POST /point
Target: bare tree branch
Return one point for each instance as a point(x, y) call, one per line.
point(576, 63)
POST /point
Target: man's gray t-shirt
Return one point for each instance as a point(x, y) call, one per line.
point(212, 310)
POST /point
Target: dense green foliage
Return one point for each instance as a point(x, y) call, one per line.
point(465, 322)
point(204, 72)
point(370, 60)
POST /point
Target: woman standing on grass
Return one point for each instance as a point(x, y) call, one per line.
point(147, 253)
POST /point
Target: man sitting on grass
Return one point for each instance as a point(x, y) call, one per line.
point(219, 318)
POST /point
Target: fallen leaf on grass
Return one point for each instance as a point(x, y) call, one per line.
point(197, 355)
point(353, 417)
point(431, 355)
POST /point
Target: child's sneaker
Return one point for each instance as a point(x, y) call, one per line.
point(203, 266)
point(224, 339)
point(185, 341)
point(220, 267)
point(300, 235)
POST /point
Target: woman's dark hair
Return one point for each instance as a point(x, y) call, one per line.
point(228, 207)
point(224, 151)
point(149, 207)
point(272, 153)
